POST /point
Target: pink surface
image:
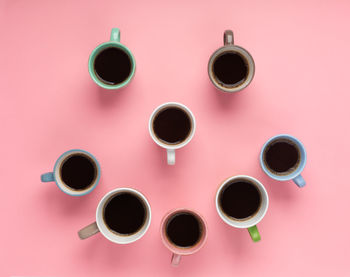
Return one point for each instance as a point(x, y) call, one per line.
point(49, 105)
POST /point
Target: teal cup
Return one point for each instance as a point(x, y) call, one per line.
point(283, 158)
point(111, 64)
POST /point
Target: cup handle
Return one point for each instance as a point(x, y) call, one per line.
point(47, 177)
point(299, 180)
point(88, 231)
point(171, 156)
point(254, 233)
point(228, 37)
point(115, 34)
point(175, 259)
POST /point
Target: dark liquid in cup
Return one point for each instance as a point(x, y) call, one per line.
point(240, 199)
point(78, 172)
point(112, 66)
point(282, 157)
point(230, 69)
point(172, 125)
point(125, 213)
point(184, 229)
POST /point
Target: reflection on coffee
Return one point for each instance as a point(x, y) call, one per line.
point(125, 213)
point(112, 65)
point(282, 157)
point(230, 69)
point(240, 199)
point(184, 229)
point(78, 172)
point(172, 125)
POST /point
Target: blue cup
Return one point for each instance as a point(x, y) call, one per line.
point(293, 174)
point(56, 175)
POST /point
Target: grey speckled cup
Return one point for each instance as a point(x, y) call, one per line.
point(230, 48)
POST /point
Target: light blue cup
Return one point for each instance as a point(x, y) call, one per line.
point(295, 175)
point(55, 176)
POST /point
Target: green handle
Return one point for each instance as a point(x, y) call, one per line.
point(115, 34)
point(254, 233)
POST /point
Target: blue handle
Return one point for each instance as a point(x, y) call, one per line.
point(47, 177)
point(115, 34)
point(299, 180)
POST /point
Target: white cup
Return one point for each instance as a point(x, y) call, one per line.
point(170, 148)
point(100, 225)
point(250, 222)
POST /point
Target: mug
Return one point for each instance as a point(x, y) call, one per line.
point(231, 68)
point(111, 64)
point(283, 158)
point(183, 232)
point(242, 202)
point(76, 172)
point(122, 216)
point(172, 126)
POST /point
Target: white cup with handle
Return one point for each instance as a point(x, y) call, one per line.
point(172, 125)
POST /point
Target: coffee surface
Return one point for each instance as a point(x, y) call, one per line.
point(112, 66)
point(78, 172)
point(282, 157)
point(240, 199)
point(125, 213)
point(230, 69)
point(172, 125)
point(184, 230)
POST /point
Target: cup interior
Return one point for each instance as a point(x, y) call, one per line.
point(189, 128)
point(299, 156)
point(83, 169)
point(166, 236)
point(231, 68)
point(253, 218)
point(111, 65)
point(112, 235)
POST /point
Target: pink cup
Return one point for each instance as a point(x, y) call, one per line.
point(179, 251)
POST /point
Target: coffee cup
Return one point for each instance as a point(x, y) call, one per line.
point(122, 216)
point(183, 232)
point(111, 64)
point(242, 202)
point(283, 158)
point(172, 126)
point(231, 68)
point(76, 172)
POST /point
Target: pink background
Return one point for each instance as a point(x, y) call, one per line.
point(49, 105)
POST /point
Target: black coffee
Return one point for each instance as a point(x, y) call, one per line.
point(112, 65)
point(184, 229)
point(172, 125)
point(125, 213)
point(282, 157)
point(78, 172)
point(240, 199)
point(230, 69)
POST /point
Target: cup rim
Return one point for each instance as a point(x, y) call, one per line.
point(170, 146)
point(252, 220)
point(241, 51)
point(293, 174)
point(103, 46)
point(59, 182)
point(113, 237)
point(184, 251)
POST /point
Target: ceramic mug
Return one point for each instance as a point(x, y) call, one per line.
point(231, 68)
point(295, 172)
point(123, 55)
point(66, 159)
point(101, 225)
point(171, 147)
point(252, 220)
point(177, 250)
